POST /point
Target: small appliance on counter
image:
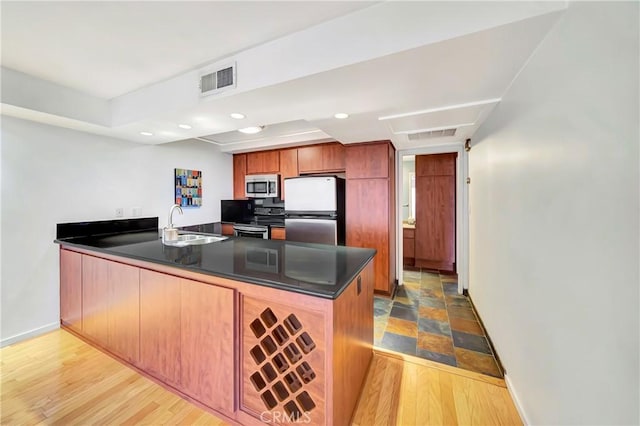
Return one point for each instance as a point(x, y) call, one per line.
point(315, 209)
point(261, 186)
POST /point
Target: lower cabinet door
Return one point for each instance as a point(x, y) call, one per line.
point(95, 299)
point(71, 289)
point(207, 344)
point(160, 326)
point(124, 311)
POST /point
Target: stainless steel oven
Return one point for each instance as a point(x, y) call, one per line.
point(251, 231)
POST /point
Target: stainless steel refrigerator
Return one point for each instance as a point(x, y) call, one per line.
point(314, 209)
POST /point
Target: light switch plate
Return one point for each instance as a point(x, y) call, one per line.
point(119, 212)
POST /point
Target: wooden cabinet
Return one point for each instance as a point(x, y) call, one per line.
point(288, 167)
point(285, 350)
point(207, 344)
point(408, 246)
point(95, 299)
point(368, 161)
point(278, 234)
point(237, 348)
point(263, 162)
point(370, 207)
point(321, 158)
point(435, 211)
point(123, 311)
point(71, 289)
point(227, 229)
point(333, 157)
point(160, 326)
point(239, 172)
point(310, 159)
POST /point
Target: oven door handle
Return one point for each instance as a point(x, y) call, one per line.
point(250, 230)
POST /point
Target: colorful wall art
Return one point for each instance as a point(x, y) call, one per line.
point(188, 187)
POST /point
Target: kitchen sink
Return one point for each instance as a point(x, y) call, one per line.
point(193, 239)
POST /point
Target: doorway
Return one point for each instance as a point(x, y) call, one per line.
point(405, 178)
point(429, 316)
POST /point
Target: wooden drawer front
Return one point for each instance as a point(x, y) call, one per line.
point(227, 229)
point(282, 360)
point(278, 234)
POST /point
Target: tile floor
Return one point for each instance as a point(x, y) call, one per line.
point(429, 319)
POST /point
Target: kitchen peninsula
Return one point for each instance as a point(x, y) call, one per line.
point(256, 331)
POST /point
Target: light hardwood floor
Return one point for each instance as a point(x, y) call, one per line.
point(59, 379)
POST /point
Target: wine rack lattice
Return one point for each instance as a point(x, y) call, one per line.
point(283, 362)
point(283, 356)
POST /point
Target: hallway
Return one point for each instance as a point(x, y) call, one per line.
point(429, 319)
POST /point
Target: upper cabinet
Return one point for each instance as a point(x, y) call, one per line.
point(288, 167)
point(239, 172)
point(263, 162)
point(321, 158)
point(288, 162)
point(368, 161)
point(370, 204)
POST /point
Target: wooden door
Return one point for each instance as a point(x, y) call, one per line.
point(435, 211)
point(95, 299)
point(71, 289)
point(239, 172)
point(207, 344)
point(124, 311)
point(367, 223)
point(310, 159)
point(160, 311)
point(288, 167)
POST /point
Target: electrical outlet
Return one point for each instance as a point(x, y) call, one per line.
point(136, 211)
point(119, 212)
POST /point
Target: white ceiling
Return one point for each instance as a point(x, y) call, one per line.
point(133, 67)
point(107, 49)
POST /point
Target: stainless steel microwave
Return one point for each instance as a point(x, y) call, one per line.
point(261, 186)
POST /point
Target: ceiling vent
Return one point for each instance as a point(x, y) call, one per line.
point(432, 134)
point(212, 82)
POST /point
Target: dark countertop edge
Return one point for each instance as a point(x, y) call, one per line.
point(264, 283)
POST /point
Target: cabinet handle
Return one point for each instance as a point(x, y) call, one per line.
point(359, 283)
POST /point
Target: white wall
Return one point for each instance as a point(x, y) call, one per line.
point(52, 175)
point(554, 208)
point(408, 167)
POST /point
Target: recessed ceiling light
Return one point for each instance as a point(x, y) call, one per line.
point(146, 133)
point(251, 130)
point(341, 115)
point(237, 115)
point(184, 126)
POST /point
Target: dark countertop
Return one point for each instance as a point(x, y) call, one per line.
point(314, 269)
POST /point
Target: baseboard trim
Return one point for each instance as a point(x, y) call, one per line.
point(29, 334)
point(516, 400)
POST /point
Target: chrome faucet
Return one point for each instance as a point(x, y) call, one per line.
point(173, 208)
point(170, 233)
